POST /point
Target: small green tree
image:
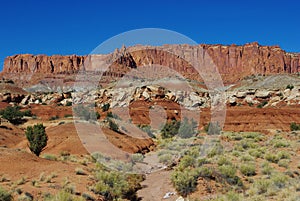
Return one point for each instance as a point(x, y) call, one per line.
point(294, 126)
point(187, 129)
point(12, 114)
point(37, 138)
point(170, 129)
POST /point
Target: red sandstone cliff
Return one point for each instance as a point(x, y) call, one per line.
point(233, 62)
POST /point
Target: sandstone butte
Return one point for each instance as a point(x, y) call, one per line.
point(233, 62)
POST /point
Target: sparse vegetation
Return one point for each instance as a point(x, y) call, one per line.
point(116, 185)
point(5, 195)
point(37, 138)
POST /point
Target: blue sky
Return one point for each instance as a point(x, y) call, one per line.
point(77, 27)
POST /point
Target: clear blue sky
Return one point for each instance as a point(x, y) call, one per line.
point(77, 27)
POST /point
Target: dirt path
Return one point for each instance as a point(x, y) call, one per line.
point(157, 182)
point(156, 185)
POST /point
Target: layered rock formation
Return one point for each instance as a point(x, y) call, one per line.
point(233, 62)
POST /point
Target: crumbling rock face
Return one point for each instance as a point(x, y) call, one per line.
point(233, 62)
point(27, 63)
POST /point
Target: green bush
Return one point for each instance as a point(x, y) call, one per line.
point(12, 114)
point(4, 195)
point(266, 169)
point(116, 185)
point(212, 128)
point(27, 113)
point(248, 169)
point(262, 185)
point(227, 171)
point(147, 129)
point(271, 157)
point(69, 103)
point(37, 138)
point(187, 129)
point(170, 129)
point(294, 126)
point(185, 182)
point(113, 126)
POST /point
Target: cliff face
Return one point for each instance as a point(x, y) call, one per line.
point(233, 62)
point(27, 63)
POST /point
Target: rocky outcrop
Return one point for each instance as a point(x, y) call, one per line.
point(27, 63)
point(233, 62)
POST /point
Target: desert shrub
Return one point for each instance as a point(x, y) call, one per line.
point(262, 185)
point(223, 161)
point(212, 128)
point(205, 172)
point(279, 180)
point(37, 138)
point(79, 171)
point(262, 104)
point(170, 129)
point(217, 149)
point(271, 157)
point(63, 196)
point(147, 129)
point(247, 157)
point(49, 157)
point(294, 126)
point(278, 143)
point(227, 171)
point(5, 195)
point(69, 103)
point(185, 181)
point(137, 158)
point(12, 114)
point(283, 155)
point(284, 163)
point(105, 107)
point(290, 86)
point(187, 129)
point(187, 161)
point(116, 185)
point(266, 169)
point(27, 113)
point(113, 126)
point(248, 169)
point(166, 159)
point(257, 152)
